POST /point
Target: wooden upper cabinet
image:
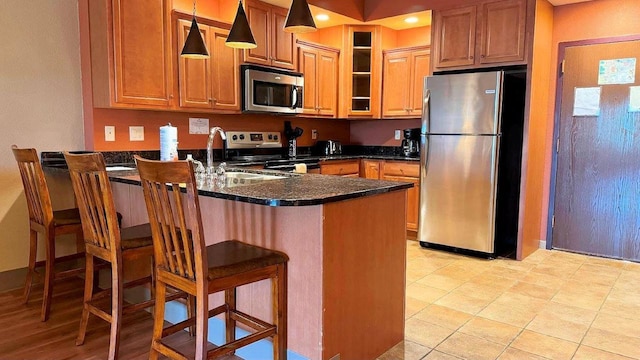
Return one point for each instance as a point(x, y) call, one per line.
point(454, 38)
point(131, 53)
point(308, 65)
point(396, 77)
point(225, 71)
point(194, 75)
point(319, 64)
point(403, 78)
point(503, 31)
point(487, 34)
point(275, 46)
point(361, 74)
point(208, 83)
point(421, 69)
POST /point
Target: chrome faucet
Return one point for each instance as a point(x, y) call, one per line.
point(212, 135)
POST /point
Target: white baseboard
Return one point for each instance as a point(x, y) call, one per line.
point(542, 244)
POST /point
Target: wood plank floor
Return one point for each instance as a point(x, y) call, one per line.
point(24, 336)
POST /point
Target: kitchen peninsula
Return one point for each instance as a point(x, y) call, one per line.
point(346, 242)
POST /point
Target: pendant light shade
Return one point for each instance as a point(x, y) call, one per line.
point(299, 19)
point(240, 36)
point(194, 47)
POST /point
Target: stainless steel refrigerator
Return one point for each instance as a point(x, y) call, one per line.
point(460, 158)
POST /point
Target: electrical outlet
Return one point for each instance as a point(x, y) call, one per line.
point(136, 133)
point(397, 135)
point(314, 134)
point(109, 133)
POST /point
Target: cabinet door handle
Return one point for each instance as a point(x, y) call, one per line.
point(482, 56)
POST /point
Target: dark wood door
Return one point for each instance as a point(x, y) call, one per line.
point(597, 190)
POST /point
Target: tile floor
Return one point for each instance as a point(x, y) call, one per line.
point(552, 305)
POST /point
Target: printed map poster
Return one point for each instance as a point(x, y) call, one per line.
point(617, 71)
point(586, 101)
point(634, 98)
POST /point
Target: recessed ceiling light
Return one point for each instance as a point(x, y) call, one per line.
point(322, 17)
point(411, 20)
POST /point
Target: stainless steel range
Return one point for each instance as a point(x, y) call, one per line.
point(263, 147)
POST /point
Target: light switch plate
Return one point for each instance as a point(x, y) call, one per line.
point(198, 126)
point(109, 133)
point(397, 135)
point(136, 133)
point(314, 134)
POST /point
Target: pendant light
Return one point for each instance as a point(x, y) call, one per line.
point(240, 36)
point(299, 19)
point(194, 47)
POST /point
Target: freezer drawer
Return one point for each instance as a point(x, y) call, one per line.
point(458, 188)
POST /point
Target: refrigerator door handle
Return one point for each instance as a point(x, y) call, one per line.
point(426, 112)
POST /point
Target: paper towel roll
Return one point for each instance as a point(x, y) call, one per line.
point(300, 168)
point(168, 143)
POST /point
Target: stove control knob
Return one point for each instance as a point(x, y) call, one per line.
point(241, 137)
point(275, 137)
point(270, 136)
point(235, 137)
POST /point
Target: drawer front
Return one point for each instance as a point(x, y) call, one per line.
point(402, 168)
point(340, 168)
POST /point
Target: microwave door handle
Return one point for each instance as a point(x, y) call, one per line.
point(294, 97)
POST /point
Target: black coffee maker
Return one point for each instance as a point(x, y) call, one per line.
point(411, 142)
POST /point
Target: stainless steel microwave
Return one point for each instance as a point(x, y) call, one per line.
point(266, 89)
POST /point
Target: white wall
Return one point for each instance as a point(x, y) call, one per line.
point(40, 104)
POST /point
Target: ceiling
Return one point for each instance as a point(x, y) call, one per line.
point(394, 22)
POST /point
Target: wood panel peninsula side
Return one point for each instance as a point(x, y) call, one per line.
point(347, 247)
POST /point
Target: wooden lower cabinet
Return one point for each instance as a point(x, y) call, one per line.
point(346, 168)
point(405, 171)
point(370, 169)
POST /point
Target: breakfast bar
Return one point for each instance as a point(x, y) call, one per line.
point(345, 239)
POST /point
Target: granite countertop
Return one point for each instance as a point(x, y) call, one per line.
point(291, 190)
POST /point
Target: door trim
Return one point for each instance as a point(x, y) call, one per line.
point(562, 47)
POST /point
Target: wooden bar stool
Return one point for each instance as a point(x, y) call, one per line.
point(106, 241)
point(184, 262)
point(51, 224)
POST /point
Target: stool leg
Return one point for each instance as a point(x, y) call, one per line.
point(158, 318)
point(48, 274)
point(279, 290)
point(88, 294)
point(33, 250)
point(191, 313)
point(116, 308)
point(230, 323)
point(202, 318)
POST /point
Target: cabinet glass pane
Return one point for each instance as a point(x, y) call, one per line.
point(361, 39)
point(360, 104)
point(361, 85)
point(361, 60)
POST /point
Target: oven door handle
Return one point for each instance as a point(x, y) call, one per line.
point(294, 97)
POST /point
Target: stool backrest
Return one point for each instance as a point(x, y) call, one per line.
point(175, 219)
point(35, 185)
point(95, 200)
